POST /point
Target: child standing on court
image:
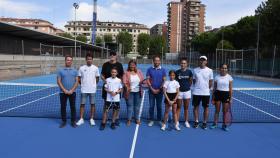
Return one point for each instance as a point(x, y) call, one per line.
point(171, 93)
point(113, 87)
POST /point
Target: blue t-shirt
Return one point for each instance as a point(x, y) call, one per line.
point(68, 77)
point(183, 78)
point(156, 76)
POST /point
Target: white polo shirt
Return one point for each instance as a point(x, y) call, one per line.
point(88, 76)
point(223, 82)
point(202, 78)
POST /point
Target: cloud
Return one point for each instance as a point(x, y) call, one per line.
point(228, 12)
point(148, 12)
point(20, 9)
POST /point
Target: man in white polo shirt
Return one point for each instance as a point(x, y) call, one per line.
point(88, 78)
point(202, 82)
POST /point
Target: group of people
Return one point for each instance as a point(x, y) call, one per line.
point(183, 84)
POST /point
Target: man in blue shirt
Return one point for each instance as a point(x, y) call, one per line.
point(67, 80)
point(156, 76)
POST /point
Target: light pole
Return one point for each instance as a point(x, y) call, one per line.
point(76, 6)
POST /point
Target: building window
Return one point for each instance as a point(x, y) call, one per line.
point(36, 27)
point(69, 29)
point(138, 30)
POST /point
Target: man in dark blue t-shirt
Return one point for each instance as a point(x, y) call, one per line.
point(156, 76)
point(184, 77)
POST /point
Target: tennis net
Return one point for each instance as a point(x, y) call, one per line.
point(42, 101)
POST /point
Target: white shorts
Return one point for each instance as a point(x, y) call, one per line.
point(185, 95)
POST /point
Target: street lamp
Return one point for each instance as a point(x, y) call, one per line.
point(76, 6)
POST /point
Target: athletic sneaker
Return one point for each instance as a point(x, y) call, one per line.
point(62, 125)
point(195, 124)
point(92, 122)
point(187, 124)
point(213, 126)
point(113, 125)
point(177, 127)
point(163, 127)
point(151, 123)
point(117, 122)
point(225, 128)
point(204, 126)
point(73, 124)
point(80, 122)
point(102, 126)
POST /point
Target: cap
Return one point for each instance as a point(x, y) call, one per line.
point(203, 57)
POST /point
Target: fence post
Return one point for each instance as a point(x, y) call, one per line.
point(273, 61)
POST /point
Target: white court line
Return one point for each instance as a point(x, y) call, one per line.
point(136, 129)
point(259, 98)
point(257, 109)
point(24, 93)
point(27, 103)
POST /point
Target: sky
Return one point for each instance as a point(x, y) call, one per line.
point(148, 12)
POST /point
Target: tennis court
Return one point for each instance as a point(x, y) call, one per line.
point(30, 112)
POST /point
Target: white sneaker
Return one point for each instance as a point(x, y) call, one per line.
point(163, 127)
point(187, 124)
point(151, 123)
point(92, 122)
point(177, 124)
point(80, 122)
point(177, 128)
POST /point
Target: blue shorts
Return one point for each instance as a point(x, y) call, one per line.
point(91, 98)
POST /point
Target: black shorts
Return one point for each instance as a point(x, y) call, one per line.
point(112, 105)
point(171, 97)
point(222, 96)
point(198, 98)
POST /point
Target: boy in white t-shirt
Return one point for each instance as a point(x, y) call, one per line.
point(171, 93)
point(88, 78)
point(202, 82)
point(113, 87)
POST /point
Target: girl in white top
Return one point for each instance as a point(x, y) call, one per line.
point(171, 93)
point(222, 94)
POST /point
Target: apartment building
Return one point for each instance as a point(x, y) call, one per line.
point(107, 28)
point(34, 24)
point(186, 18)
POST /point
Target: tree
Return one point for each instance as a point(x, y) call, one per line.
point(108, 38)
point(67, 35)
point(269, 16)
point(206, 42)
point(82, 38)
point(157, 45)
point(143, 43)
point(246, 33)
point(224, 44)
point(125, 39)
point(98, 41)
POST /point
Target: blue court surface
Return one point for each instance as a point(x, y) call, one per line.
point(30, 112)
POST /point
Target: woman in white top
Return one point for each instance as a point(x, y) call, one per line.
point(133, 92)
point(222, 94)
point(171, 93)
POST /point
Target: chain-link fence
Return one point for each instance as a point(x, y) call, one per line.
point(20, 57)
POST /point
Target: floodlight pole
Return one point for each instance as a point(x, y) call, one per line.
point(76, 6)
